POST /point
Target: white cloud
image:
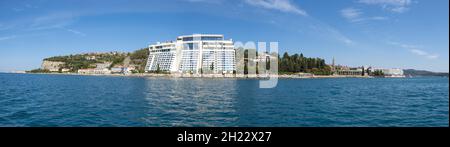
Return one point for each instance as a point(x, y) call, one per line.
point(387, 2)
point(378, 18)
point(17, 9)
point(330, 32)
point(7, 37)
point(418, 52)
point(356, 15)
point(206, 1)
point(398, 6)
point(415, 49)
point(76, 32)
point(351, 14)
point(280, 5)
point(24, 7)
point(424, 53)
point(52, 21)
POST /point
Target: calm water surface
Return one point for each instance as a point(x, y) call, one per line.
point(62, 100)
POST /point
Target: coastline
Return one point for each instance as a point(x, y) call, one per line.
point(209, 76)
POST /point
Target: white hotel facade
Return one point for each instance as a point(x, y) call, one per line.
point(197, 53)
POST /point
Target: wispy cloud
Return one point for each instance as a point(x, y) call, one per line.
point(76, 32)
point(415, 49)
point(351, 14)
point(330, 32)
point(18, 9)
point(7, 37)
point(206, 1)
point(52, 21)
point(398, 6)
point(280, 5)
point(24, 7)
point(356, 15)
point(424, 53)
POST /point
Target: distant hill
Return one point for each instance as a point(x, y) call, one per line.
point(75, 62)
point(413, 72)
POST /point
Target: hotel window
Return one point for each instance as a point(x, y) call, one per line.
point(190, 46)
point(212, 38)
point(188, 38)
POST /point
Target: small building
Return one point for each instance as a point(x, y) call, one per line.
point(117, 70)
point(94, 71)
point(128, 70)
point(122, 70)
point(103, 65)
point(91, 57)
point(351, 71)
point(65, 70)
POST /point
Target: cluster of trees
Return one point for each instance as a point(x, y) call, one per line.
point(287, 64)
point(299, 63)
point(39, 71)
point(139, 58)
point(377, 73)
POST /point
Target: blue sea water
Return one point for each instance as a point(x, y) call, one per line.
point(65, 100)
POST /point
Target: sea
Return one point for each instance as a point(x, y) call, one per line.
point(39, 100)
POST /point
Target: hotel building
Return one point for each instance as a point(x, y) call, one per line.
point(198, 53)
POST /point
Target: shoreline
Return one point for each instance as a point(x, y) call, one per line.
point(212, 76)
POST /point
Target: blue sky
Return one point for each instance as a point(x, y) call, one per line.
point(380, 33)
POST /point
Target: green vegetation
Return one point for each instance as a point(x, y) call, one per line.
point(377, 73)
point(139, 58)
point(75, 62)
point(287, 64)
point(298, 63)
point(39, 71)
point(83, 61)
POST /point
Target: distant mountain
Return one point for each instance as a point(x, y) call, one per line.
point(413, 72)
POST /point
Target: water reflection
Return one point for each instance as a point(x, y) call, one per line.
point(191, 102)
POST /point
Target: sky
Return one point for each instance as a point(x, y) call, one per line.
point(408, 34)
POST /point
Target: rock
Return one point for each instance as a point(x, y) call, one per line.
point(52, 65)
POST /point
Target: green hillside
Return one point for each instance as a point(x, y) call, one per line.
point(75, 62)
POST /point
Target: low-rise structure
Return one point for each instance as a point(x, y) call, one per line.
point(351, 71)
point(94, 71)
point(122, 70)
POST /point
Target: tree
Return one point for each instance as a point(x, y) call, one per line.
point(158, 70)
point(299, 63)
point(377, 73)
point(245, 69)
point(257, 69)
